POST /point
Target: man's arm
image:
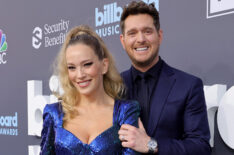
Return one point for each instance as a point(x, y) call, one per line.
point(195, 139)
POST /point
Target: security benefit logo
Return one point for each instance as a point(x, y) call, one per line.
point(3, 48)
point(217, 8)
point(50, 35)
point(9, 125)
point(37, 37)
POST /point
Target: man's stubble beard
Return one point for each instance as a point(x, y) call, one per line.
point(146, 63)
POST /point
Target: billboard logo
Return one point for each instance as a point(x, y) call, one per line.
point(37, 37)
point(3, 47)
point(219, 101)
point(156, 3)
point(8, 125)
point(110, 15)
point(217, 8)
point(36, 103)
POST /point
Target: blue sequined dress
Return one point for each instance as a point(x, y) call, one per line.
point(59, 141)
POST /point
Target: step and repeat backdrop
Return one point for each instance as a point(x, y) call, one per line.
point(198, 39)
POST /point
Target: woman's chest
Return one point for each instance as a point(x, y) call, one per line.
point(105, 143)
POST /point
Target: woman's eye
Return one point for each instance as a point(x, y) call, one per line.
point(71, 67)
point(88, 64)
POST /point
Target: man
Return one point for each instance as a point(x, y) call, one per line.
point(173, 109)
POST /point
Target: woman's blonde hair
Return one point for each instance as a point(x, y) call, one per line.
point(112, 81)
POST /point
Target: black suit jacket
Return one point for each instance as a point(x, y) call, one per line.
point(178, 114)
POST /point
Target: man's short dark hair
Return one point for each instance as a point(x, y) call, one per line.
point(135, 8)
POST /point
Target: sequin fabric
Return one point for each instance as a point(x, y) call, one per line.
point(59, 141)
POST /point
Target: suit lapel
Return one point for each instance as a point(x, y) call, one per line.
point(165, 83)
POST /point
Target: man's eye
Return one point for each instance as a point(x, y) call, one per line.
point(88, 64)
point(131, 33)
point(148, 32)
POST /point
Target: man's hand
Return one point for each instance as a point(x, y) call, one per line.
point(134, 138)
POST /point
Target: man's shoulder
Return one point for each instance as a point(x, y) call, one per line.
point(183, 76)
point(180, 73)
point(166, 69)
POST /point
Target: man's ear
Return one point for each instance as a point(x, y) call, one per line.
point(105, 67)
point(121, 37)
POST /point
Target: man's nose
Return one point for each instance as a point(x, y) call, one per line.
point(141, 37)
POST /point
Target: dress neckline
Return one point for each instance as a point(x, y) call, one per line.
point(99, 135)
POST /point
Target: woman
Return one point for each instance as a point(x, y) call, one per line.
point(90, 113)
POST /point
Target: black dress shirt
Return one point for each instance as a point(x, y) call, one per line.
point(144, 89)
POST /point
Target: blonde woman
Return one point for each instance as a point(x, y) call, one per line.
point(90, 113)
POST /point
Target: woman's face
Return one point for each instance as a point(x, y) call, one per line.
point(85, 70)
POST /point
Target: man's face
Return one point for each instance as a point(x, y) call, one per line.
point(141, 41)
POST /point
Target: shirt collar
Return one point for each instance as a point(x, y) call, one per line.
point(153, 71)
